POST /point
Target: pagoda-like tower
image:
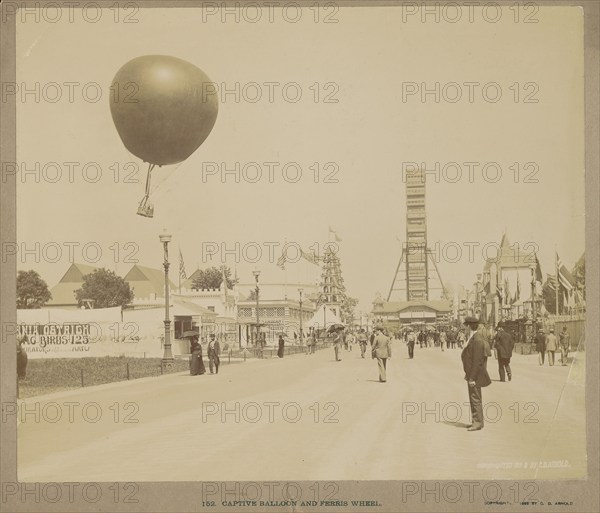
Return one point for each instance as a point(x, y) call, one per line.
point(333, 291)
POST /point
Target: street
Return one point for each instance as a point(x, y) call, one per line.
point(307, 417)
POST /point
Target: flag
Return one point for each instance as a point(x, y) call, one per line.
point(182, 273)
point(551, 281)
point(499, 292)
point(335, 235)
point(311, 257)
point(570, 296)
point(506, 292)
point(565, 278)
point(224, 282)
point(538, 270)
point(281, 261)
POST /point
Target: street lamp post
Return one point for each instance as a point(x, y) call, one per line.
point(533, 311)
point(256, 273)
point(168, 361)
point(324, 299)
point(301, 338)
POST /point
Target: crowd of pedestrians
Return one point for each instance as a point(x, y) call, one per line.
point(549, 344)
point(477, 341)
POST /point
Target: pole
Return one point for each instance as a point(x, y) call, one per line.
point(257, 342)
point(557, 311)
point(168, 359)
point(533, 312)
point(301, 338)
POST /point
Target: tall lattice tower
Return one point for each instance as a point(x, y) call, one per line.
point(333, 291)
point(416, 273)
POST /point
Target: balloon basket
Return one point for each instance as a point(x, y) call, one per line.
point(146, 210)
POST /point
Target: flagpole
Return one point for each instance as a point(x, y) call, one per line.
point(285, 276)
point(533, 312)
point(180, 260)
point(557, 282)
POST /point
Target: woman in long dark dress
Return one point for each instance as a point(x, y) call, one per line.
point(196, 363)
point(21, 357)
point(281, 346)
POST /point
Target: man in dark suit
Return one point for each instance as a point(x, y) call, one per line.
point(382, 350)
point(214, 349)
point(411, 344)
point(540, 345)
point(504, 344)
point(474, 361)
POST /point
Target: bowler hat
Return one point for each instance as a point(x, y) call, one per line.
point(471, 320)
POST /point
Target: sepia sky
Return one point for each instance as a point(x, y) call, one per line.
point(368, 134)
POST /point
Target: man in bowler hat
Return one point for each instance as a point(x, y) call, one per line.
point(504, 344)
point(474, 360)
point(540, 345)
point(214, 349)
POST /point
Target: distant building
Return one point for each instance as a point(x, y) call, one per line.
point(147, 283)
point(503, 291)
point(395, 314)
point(63, 293)
point(333, 290)
point(221, 302)
point(275, 316)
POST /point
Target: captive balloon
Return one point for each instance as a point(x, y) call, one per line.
point(163, 108)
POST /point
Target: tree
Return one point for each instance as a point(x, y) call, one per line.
point(212, 277)
point(105, 289)
point(252, 295)
point(347, 308)
point(32, 291)
point(579, 274)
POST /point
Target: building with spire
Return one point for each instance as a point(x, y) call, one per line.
point(504, 290)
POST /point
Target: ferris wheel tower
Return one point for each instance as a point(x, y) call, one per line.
point(417, 277)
